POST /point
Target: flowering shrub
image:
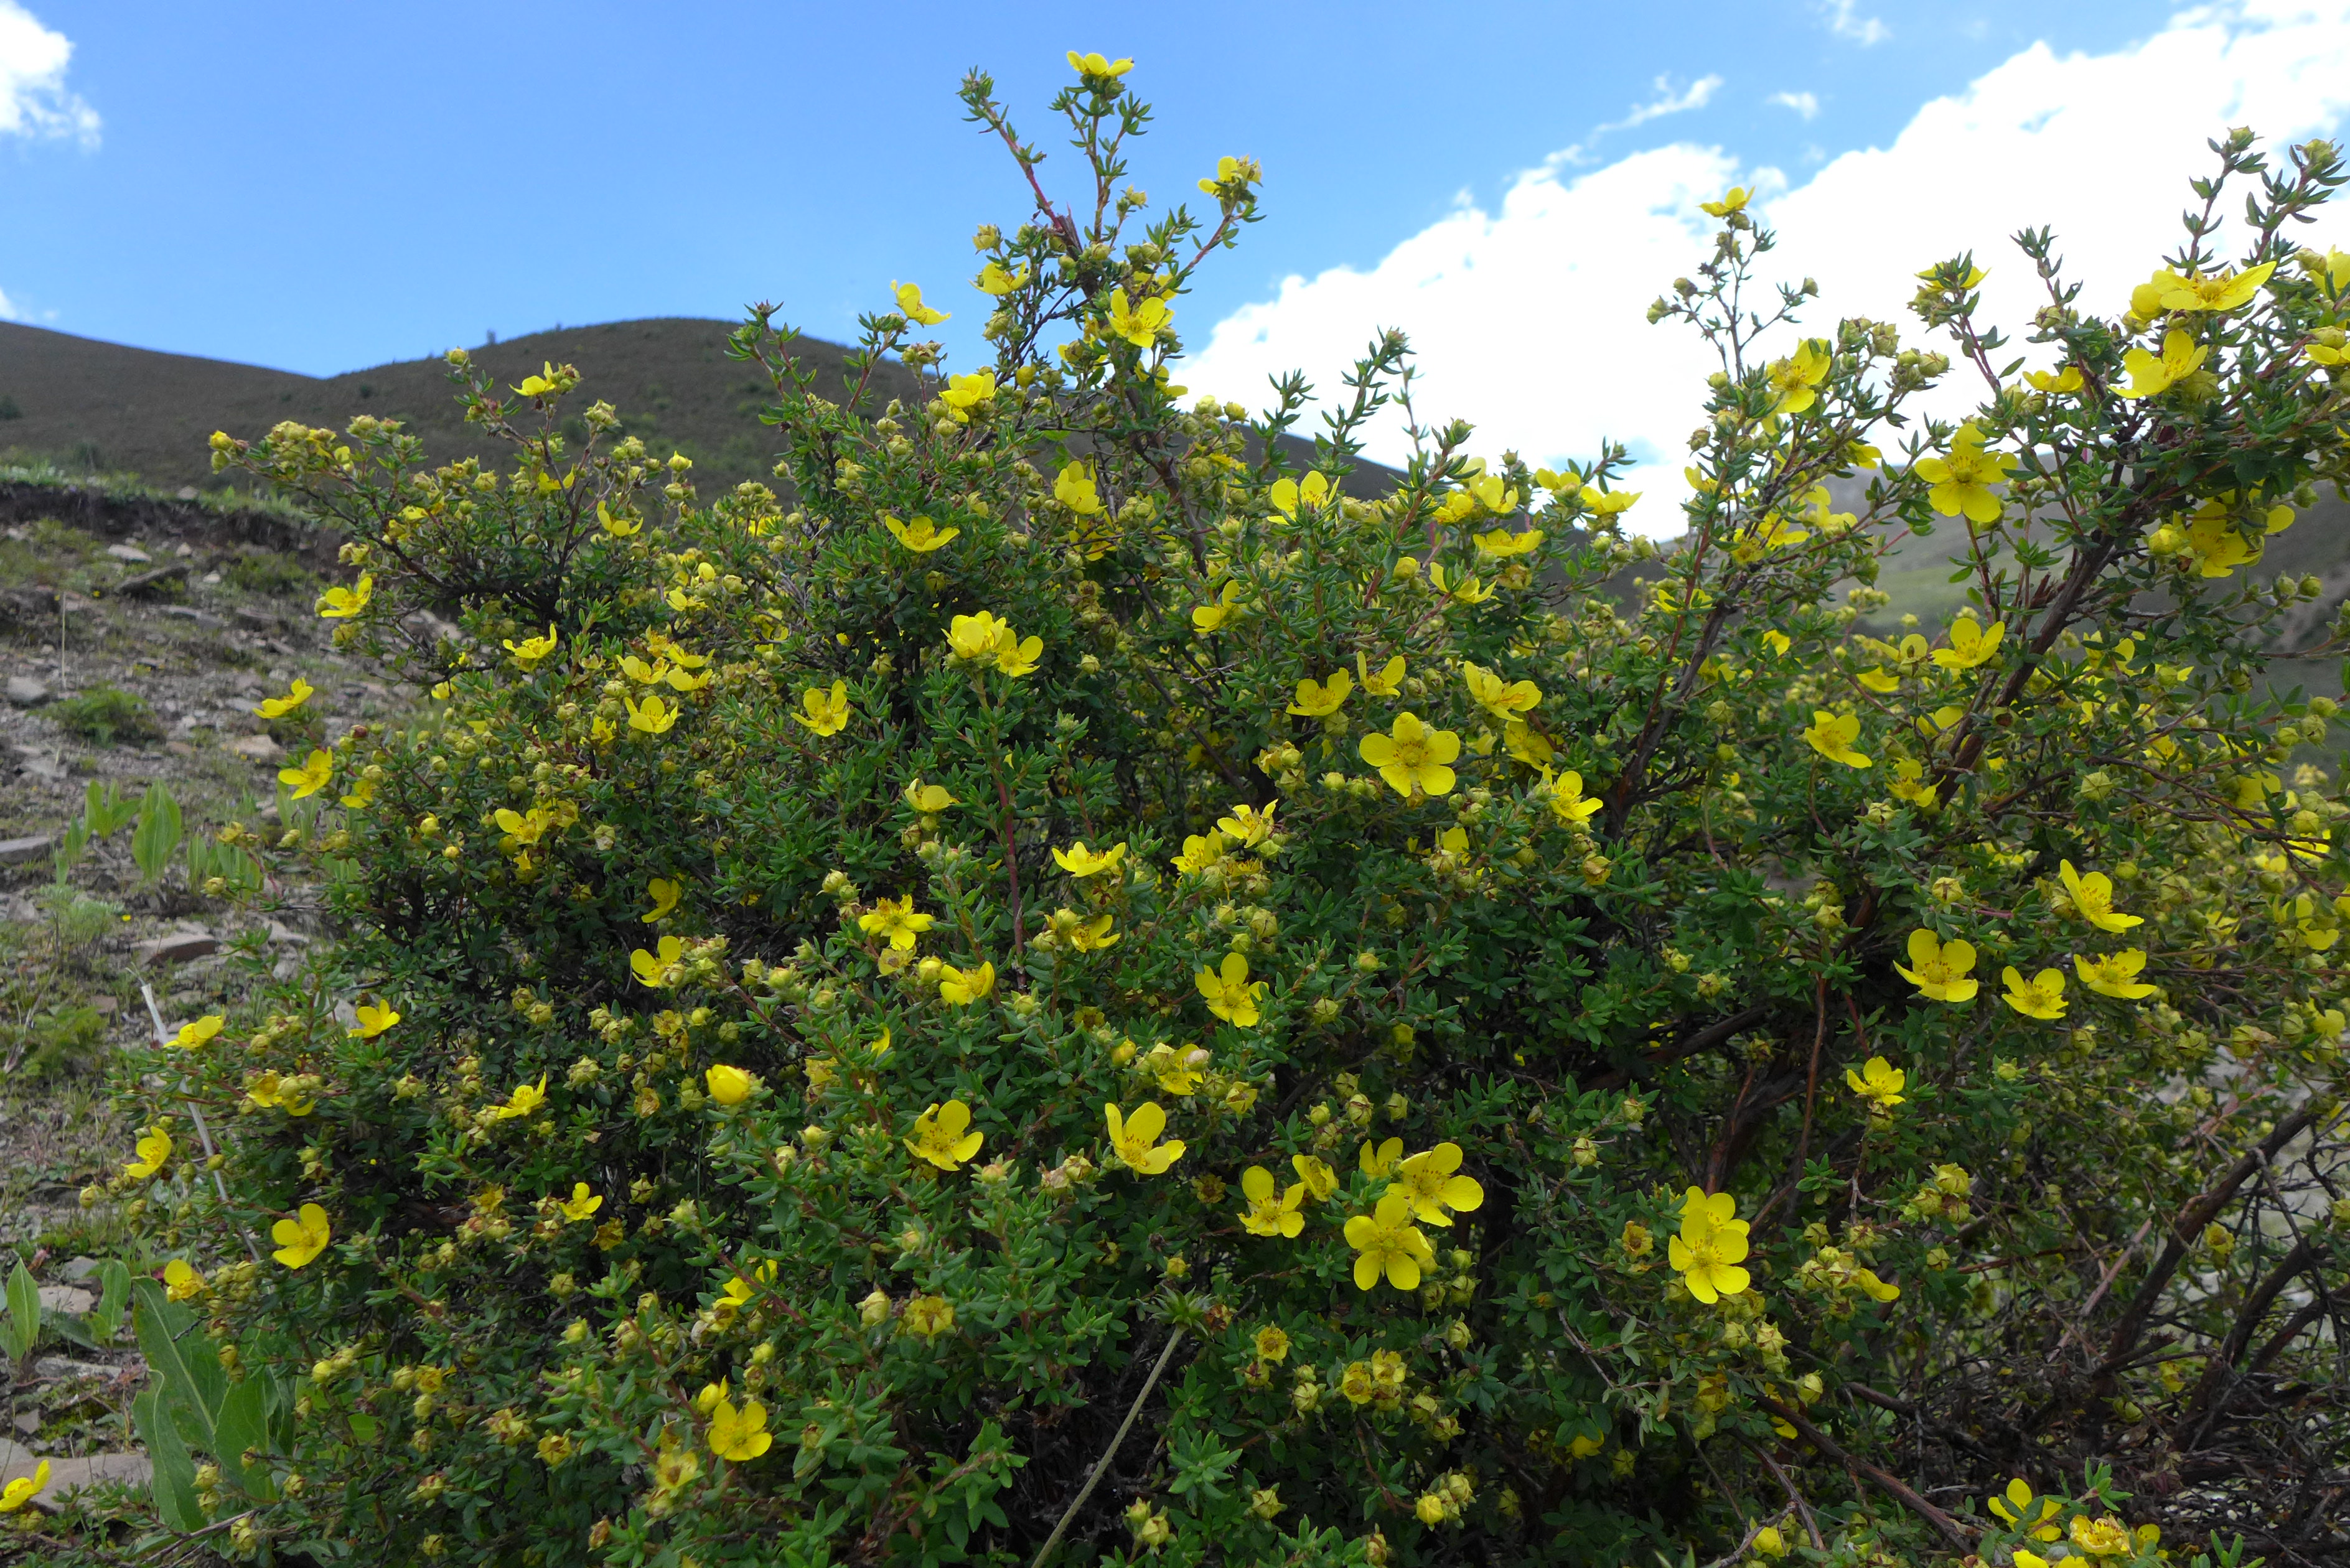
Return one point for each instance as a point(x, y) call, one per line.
point(1068, 983)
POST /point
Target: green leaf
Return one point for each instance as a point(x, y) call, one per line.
point(175, 1471)
point(114, 1298)
point(181, 1360)
point(159, 833)
point(244, 1425)
point(23, 1329)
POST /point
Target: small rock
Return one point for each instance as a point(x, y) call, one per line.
point(28, 1423)
point(184, 549)
point(103, 1006)
point(148, 585)
point(18, 851)
point(78, 1270)
point(49, 769)
point(186, 493)
point(189, 612)
point(211, 577)
point(285, 936)
point(57, 1368)
point(27, 691)
point(177, 947)
point(131, 553)
point(254, 617)
point(68, 1299)
point(257, 748)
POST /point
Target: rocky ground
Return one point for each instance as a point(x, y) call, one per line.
point(130, 659)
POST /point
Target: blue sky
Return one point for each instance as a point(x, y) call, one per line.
point(323, 188)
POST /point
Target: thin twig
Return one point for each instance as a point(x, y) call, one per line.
point(1101, 1466)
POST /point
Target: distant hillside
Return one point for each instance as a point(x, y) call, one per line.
point(101, 406)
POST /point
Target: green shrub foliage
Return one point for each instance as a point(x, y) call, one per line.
point(1485, 1039)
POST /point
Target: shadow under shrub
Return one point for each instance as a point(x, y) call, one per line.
point(851, 989)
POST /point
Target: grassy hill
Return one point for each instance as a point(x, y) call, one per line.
point(94, 406)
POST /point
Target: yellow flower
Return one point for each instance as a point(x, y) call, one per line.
point(1501, 545)
point(653, 968)
point(1876, 679)
point(1248, 825)
point(1230, 172)
point(311, 777)
point(302, 1237)
point(943, 1135)
point(1611, 503)
point(1093, 67)
point(1832, 735)
point(2150, 374)
point(2067, 380)
point(928, 1317)
point(2092, 897)
point(1795, 381)
point(1942, 971)
point(1386, 682)
point(921, 536)
point(341, 604)
point(929, 799)
point(583, 1204)
point(910, 305)
point(1880, 1083)
point(198, 1034)
point(540, 385)
point(2169, 291)
point(729, 1086)
point(530, 651)
point(2042, 996)
point(962, 987)
point(2015, 1508)
point(2115, 975)
point(1094, 935)
point(1231, 995)
point(1140, 323)
point(982, 638)
point(1970, 644)
point(664, 894)
point(2106, 1537)
point(739, 1435)
point(1770, 1542)
point(1074, 488)
point(1387, 1243)
point(1567, 801)
point(1711, 1246)
point(155, 1151)
point(182, 1282)
point(1318, 699)
point(896, 919)
point(1319, 1178)
point(1735, 202)
point(828, 712)
point(993, 279)
point(1376, 1160)
point(1134, 1140)
point(1201, 850)
point(24, 1489)
point(1272, 1344)
point(1271, 1212)
point(270, 1089)
point(1961, 479)
point(526, 1098)
point(1504, 699)
point(362, 794)
point(618, 527)
point(1287, 495)
point(1427, 1180)
point(1523, 742)
point(295, 695)
point(965, 393)
point(655, 717)
point(1176, 1072)
point(374, 1018)
point(1081, 862)
point(1210, 617)
point(1469, 591)
point(1413, 757)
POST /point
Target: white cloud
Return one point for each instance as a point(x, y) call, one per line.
point(1667, 101)
point(1529, 320)
point(34, 99)
point(1806, 104)
point(8, 311)
point(1861, 30)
